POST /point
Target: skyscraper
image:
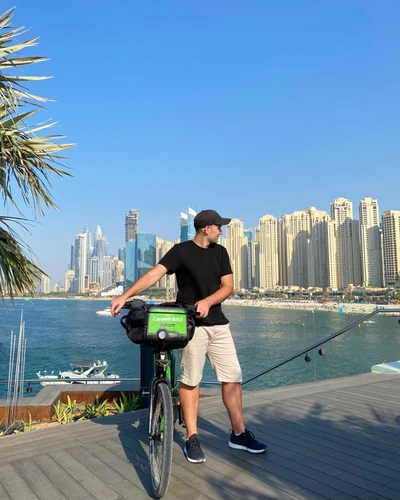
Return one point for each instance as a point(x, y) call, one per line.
point(236, 245)
point(295, 239)
point(79, 263)
point(391, 246)
point(268, 252)
point(348, 243)
point(318, 248)
point(371, 255)
point(131, 225)
point(88, 247)
point(249, 235)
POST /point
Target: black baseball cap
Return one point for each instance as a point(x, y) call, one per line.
point(208, 218)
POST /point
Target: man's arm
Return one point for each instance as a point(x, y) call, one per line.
point(143, 283)
point(203, 306)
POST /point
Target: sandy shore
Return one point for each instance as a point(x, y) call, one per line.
point(308, 305)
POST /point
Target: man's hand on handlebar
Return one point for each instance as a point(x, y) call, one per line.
point(116, 305)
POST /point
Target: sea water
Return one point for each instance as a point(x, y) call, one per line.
point(59, 332)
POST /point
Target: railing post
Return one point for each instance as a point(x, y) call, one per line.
point(146, 374)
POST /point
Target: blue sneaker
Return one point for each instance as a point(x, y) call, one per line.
point(246, 441)
point(193, 451)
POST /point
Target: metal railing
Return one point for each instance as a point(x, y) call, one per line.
point(312, 346)
point(90, 381)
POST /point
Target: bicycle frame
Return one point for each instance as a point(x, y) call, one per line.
point(165, 374)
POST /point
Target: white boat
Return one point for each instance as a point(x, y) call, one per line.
point(81, 369)
point(389, 367)
point(369, 321)
point(104, 312)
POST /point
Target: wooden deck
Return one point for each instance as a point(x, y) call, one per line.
point(336, 439)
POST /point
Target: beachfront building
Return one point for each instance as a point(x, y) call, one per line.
point(318, 248)
point(371, 252)
point(348, 244)
point(45, 284)
point(68, 277)
point(391, 246)
point(236, 244)
point(268, 252)
point(294, 240)
point(332, 256)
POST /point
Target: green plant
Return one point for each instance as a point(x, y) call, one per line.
point(127, 403)
point(59, 412)
point(28, 426)
point(95, 410)
point(62, 413)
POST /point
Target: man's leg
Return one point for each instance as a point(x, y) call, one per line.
point(189, 399)
point(232, 398)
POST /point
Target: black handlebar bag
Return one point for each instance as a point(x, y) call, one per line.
point(167, 326)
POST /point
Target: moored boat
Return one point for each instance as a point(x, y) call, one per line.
point(81, 369)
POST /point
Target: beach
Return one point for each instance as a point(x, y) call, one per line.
point(309, 305)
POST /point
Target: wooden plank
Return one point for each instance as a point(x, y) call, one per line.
point(37, 481)
point(377, 431)
point(14, 484)
point(88, 480)
point(61, 479)
point(283, 441)
point(371, 486)
point(131, 449)
point(314, 425)
point(299, 473)
point(3, 494)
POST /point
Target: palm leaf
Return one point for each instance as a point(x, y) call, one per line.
point(28, 161)
point(18, 273)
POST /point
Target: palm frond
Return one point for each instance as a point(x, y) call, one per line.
point(18, 273)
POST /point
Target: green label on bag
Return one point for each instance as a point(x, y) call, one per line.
point(174, 322)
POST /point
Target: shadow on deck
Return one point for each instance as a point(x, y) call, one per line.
point(336, 439)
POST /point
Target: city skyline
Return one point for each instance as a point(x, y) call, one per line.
point(367, 240)
point(248, 108)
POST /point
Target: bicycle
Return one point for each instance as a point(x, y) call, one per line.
point(163, 328)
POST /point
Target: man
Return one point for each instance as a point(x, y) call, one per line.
point(204, 278)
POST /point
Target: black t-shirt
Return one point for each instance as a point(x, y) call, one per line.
point(198, 273)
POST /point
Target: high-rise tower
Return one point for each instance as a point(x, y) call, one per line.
point(236, 245)
point(268, 252)
point(348, 244)
point(371, 256)
point(391, 246)
point(131, 225)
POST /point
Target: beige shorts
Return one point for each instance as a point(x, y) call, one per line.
point(216, 343)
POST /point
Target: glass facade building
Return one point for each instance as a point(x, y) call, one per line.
point(130, 263)
point(146, 244)
point(188, 231)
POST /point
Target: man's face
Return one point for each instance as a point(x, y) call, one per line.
point(213, 232)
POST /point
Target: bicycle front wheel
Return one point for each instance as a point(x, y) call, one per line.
point(161, 440)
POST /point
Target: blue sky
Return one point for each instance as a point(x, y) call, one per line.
point(252, 108)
